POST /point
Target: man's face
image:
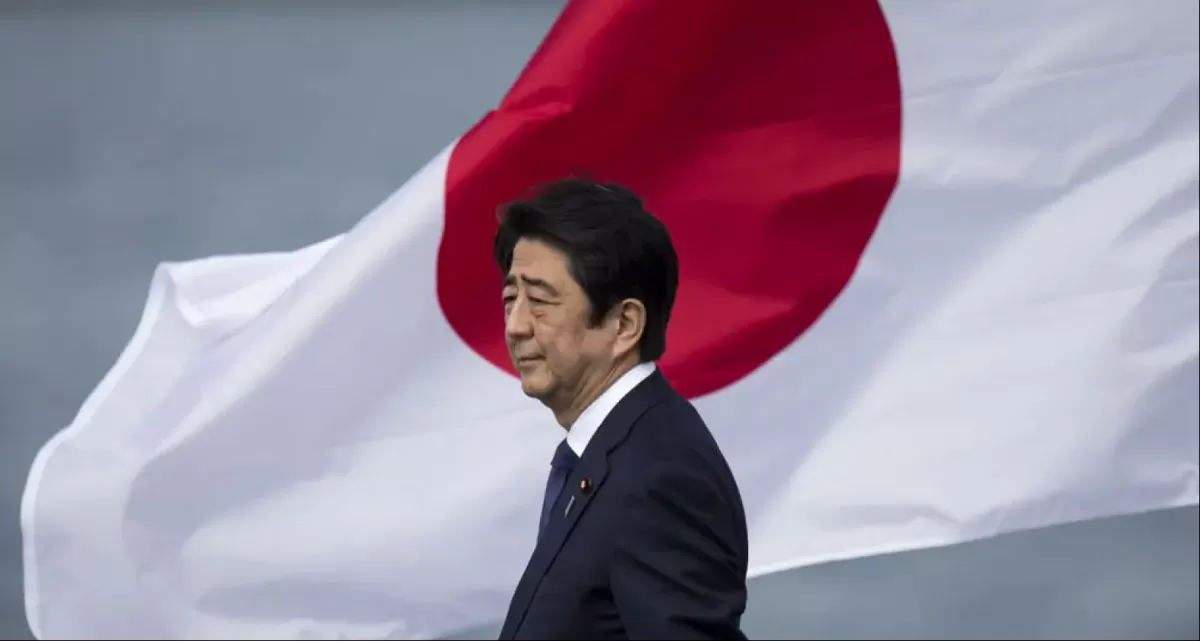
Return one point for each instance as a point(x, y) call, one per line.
point(546, 324)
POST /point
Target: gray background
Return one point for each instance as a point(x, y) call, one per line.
point(137, 132)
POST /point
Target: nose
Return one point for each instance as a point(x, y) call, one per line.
point(517, 322)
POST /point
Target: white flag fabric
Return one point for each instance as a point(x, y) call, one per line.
point(939, 282)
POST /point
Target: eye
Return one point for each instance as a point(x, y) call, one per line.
point(538, 301)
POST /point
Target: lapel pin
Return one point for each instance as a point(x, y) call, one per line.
point(585, 485)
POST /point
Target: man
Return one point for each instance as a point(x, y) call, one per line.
point(643, 533)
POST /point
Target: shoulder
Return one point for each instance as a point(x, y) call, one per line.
point(676, 490)
point(671, 452)
point(674, 434)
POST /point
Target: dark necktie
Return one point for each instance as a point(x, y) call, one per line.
point(560, 469)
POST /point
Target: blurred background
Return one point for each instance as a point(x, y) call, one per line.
point(134, 132)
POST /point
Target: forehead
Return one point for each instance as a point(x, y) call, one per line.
point(538, 260)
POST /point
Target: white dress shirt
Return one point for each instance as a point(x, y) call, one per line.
point(584, 427)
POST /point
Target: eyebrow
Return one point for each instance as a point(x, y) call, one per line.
point(531, 282)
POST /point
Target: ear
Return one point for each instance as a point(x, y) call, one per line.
point(630, 317)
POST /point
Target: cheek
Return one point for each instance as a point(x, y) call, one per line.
point(560, 342)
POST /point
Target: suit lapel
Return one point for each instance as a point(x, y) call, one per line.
point(582, 486)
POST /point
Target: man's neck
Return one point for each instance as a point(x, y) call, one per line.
point(591, 389)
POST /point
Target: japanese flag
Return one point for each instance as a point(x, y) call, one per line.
point(938, 282)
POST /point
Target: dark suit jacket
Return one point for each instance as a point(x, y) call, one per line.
point(647, 539)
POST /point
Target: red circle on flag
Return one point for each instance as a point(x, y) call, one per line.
point(766, 136)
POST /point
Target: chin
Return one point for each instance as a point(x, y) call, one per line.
point(535, 386)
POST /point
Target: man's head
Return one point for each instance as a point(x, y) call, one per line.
point(590, 279)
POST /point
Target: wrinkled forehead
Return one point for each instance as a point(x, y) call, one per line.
point(518, 280)
point(537, 265)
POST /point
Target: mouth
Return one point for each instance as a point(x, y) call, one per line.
point(528, 360)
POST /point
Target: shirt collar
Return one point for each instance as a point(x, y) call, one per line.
point(589, 421)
